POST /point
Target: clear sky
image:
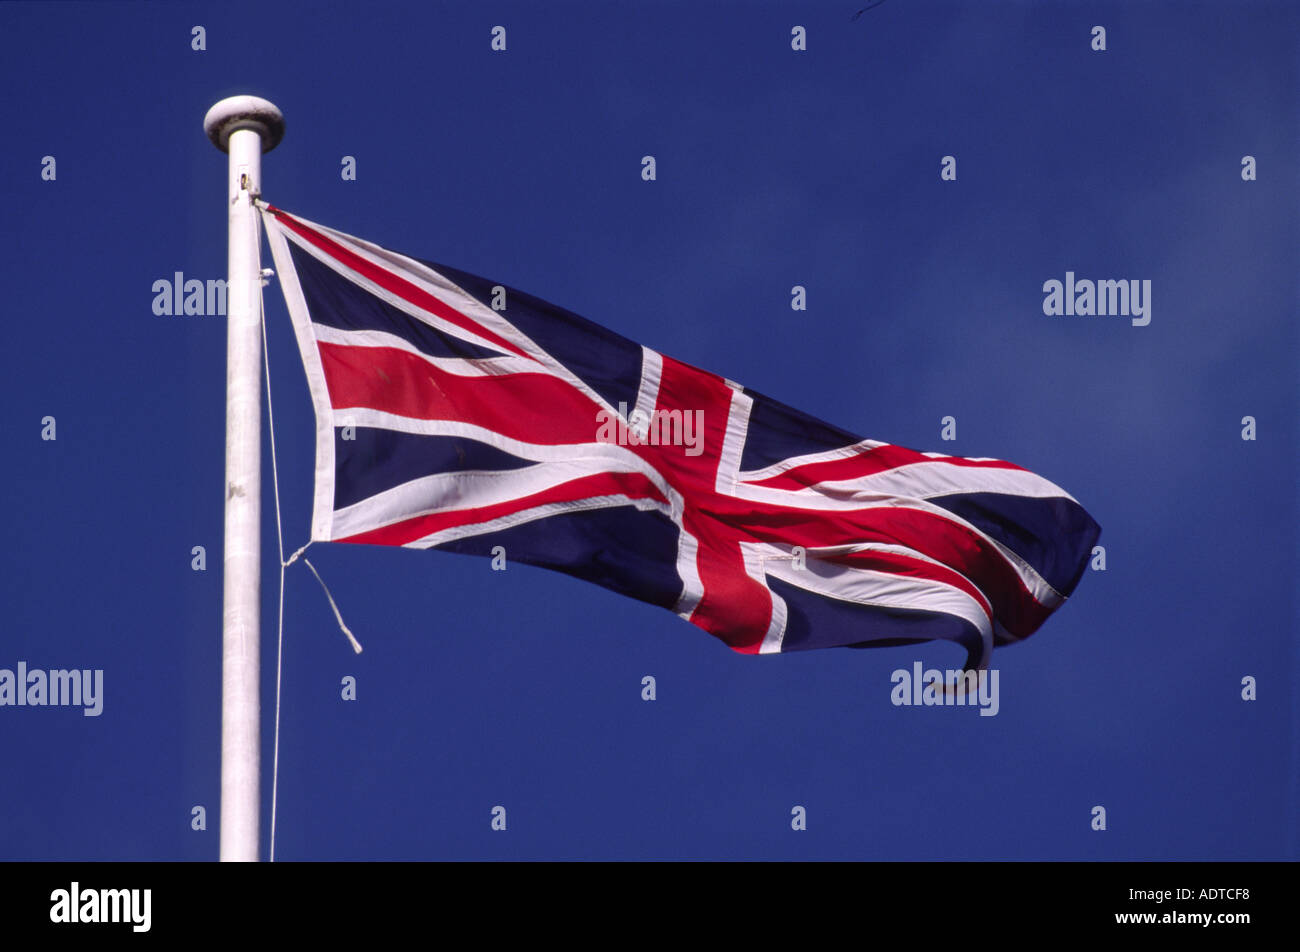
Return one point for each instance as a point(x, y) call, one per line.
point(775, 167)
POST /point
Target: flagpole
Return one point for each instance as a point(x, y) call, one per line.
point(244, 127)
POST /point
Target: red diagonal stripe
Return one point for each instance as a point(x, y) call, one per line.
point(896, 563)
point(938, 537)
point(411, 293)
point(867, 463)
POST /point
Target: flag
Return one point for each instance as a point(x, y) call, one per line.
point(456, 413)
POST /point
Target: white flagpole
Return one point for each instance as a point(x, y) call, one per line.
point(245, 127)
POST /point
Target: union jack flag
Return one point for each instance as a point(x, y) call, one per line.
point(456, 413)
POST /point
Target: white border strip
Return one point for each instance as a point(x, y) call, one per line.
point(323, 498)
point(647, 397)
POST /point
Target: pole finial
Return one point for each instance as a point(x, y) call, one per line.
point(244, 112)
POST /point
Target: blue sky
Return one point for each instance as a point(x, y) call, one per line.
point(774, 168)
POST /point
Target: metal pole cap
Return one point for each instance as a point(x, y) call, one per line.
point(244, 112)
